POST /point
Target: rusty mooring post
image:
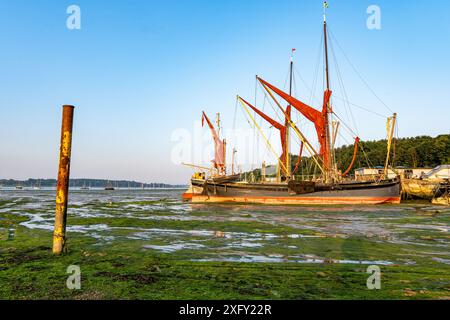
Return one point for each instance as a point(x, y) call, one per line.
point(62, 189)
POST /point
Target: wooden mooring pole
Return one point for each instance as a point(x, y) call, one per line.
point(62, 189)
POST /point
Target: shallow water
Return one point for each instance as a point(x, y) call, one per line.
point(159, 221)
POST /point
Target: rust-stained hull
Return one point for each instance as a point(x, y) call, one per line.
point(281, 194)
point(196, 188)
point(425, 189)
point(444, 201)
point(297, 200)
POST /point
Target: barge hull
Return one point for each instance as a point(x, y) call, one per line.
point(358, 194)
point(297, 200)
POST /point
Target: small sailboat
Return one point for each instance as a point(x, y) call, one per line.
point(85, 187)
point(37, 186)
point(109, 186)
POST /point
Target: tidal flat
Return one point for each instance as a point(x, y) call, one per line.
point(148, 244)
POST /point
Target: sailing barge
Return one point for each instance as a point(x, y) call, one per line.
point(331, 187)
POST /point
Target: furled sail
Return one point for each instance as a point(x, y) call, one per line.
point(219, 146)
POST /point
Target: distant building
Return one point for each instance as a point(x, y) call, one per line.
point(363, 174)
point(404, 172)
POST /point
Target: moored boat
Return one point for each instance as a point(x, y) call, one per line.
point(424, 189)
point(331, 186)
point(299, 193)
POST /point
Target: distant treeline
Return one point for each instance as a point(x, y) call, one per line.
point(92, 183)
point(417, 152)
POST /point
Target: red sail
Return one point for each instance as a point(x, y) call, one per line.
point(219, 146)
point(313, 115)
point(276, 125)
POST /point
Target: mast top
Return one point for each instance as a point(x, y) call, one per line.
point(325, 7)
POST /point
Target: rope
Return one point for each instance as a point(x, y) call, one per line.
point(359, 74)
point(369, 164)
point(263, 135)
point(316, 72)
point(344, 92)
point(360, 107)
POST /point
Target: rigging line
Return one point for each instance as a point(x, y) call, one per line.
point(308, 145)
point(287, 79)
point(294, 84)
point(266, 97)
point(341, 136)
point(395, 143)
point(360, 107)
point(369, 164)
point(280, 119)
point(360, 145)
point(359, 74)
point(316, 71)
point(349, 144)
point(341, 84)
point(294, 93)
point(312, 96)
point(269, 100)
point(235, 116)
point(346, 126)
point(263, 108)
point(342, 87)
point(255, 135)
point(234, 124)
point(263, 135)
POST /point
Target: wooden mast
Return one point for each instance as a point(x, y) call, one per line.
point(391, 123)
point(287, 146)
point(327, 160)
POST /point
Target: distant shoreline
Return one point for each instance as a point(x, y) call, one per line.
point(89, 183)
point(90, 189)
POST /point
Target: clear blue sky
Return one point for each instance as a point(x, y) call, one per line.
point(138, 70)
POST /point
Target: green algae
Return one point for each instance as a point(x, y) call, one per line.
point(123, 271)
point(311, 252)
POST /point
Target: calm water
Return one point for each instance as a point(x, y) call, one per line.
point(157, 220)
